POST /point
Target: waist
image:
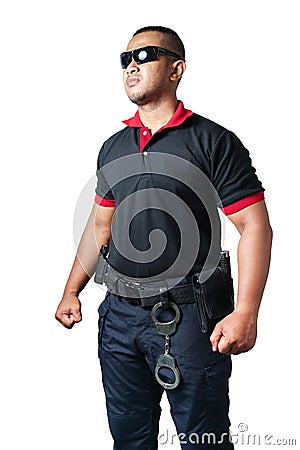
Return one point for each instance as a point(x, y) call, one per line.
point(179, 294)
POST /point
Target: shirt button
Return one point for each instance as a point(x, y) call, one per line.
point(145, 153)
point(144, 133)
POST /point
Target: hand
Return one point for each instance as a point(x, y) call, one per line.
point(69, 311)
point(235, 334)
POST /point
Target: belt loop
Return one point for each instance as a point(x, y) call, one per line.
point(164, 298)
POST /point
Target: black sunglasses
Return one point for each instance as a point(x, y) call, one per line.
point(143, 55)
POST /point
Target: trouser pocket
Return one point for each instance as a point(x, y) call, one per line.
point(217, 406)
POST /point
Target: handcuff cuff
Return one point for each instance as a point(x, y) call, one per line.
point(167, 329)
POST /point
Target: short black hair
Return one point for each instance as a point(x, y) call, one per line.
point(171, 39)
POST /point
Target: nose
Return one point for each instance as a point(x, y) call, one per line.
point(132, 68)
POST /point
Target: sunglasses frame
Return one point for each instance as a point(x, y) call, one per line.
point(156, 51)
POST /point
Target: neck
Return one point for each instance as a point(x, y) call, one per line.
point(155, 116)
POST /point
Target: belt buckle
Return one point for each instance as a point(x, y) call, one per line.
point(130, 289)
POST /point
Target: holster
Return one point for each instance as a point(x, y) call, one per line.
point(101, 269)
point(215, 296)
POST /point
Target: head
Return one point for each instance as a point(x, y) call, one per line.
point(159, 78)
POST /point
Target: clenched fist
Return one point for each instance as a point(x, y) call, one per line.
point(69, 311)
point(235, 334)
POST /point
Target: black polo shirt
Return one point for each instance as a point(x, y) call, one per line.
point(189, 168)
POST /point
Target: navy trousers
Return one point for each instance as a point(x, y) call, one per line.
point(129, 346)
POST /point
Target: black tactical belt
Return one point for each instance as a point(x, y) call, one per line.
point(179, 294)
point(147, 294)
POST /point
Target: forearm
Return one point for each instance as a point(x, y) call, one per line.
point(254, 252)
point(77, 279)
point(236, 333)
point(95, 234)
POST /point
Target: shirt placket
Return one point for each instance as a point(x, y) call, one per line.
point(145, 137)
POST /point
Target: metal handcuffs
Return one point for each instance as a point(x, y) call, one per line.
point(166, 360)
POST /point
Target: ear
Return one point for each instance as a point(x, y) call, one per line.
point(178, 70)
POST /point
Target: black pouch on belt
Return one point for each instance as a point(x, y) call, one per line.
point(214, 297)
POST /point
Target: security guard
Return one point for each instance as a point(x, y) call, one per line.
point(168, 322)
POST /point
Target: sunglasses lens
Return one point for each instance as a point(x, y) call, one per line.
point(144, 55)
point(125, 59)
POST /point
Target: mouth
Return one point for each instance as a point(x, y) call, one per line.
point(132, 81)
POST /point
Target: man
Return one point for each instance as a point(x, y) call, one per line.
point(157, 157)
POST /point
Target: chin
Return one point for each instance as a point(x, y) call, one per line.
point(138, 100)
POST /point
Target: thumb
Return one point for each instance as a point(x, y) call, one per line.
point(76, 314)
point(215, 337)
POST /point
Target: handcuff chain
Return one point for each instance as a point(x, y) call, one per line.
point(167, 345)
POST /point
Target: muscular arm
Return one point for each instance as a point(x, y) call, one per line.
point(237, 332)
point(96, 233)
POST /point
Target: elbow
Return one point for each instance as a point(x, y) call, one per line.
point(102, 229)
point(261, 230)
point(269, 233)
point(264, 232)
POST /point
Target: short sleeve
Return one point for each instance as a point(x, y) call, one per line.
point(104, 195)
point(232, 173)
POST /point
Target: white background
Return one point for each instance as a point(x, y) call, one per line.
point(61, 97)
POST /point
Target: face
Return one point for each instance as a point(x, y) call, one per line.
point(149, 82)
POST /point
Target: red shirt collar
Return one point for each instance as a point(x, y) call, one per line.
point(180, 115)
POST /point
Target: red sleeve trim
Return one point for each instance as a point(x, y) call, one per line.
point(243, 203)
point(104, 201)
